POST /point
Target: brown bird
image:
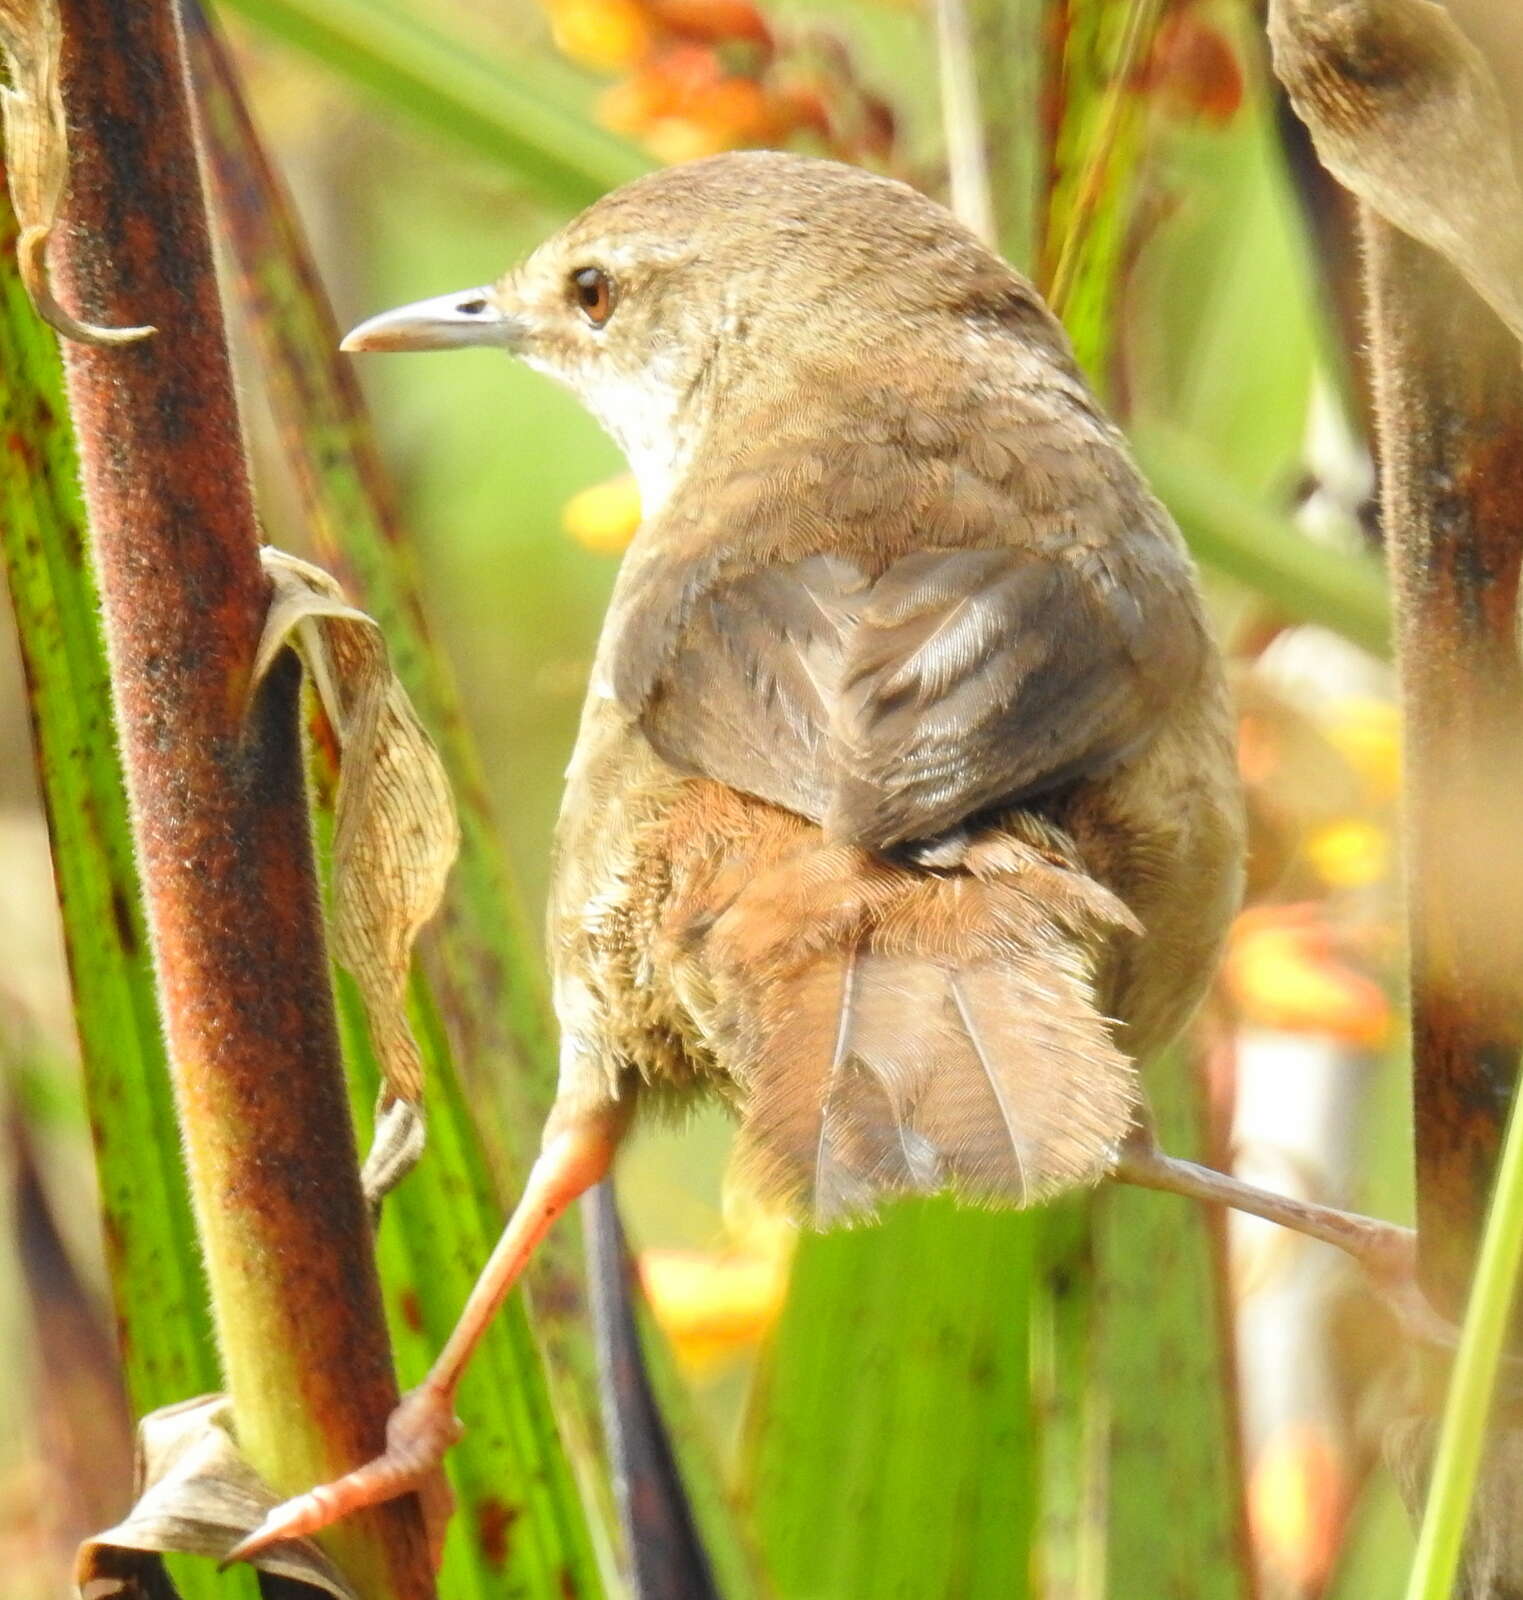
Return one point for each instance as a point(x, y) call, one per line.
point(903, 814)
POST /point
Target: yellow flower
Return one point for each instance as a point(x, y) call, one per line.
point(672, 140)
point(1350, 853)
point(1367, 734)
point(713, 1306)
point(1283, 971)
point(607, 35)
point(604, 517)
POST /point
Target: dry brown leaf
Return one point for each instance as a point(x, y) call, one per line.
point(1406, 113)
point(37, 156)
point(395, 833)
point(197, 1496)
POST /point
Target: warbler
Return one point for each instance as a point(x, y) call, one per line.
point(903, 813)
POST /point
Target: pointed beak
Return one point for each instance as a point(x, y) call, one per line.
point(447, 322)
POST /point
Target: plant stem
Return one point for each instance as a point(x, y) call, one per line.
point(216, 786)
point(962, 122)
point(1462, 1434)
point(1449, 409)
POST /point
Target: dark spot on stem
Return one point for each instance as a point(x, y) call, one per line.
point(122, 918)
point(494, 1525)
point(411, 1309)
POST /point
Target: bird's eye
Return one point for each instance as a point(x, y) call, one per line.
point(593, 290)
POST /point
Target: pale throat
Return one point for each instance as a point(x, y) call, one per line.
point(642, 413)
point(642, 419)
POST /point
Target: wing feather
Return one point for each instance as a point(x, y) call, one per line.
point(890, 709)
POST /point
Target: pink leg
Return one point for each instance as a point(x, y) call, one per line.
point(1386, 1251)
point(1382, 1248)
point(424, 1425)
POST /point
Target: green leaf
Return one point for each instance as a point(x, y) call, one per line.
point(1236, 534)
point(1176, 1521)
point(894, 1446)
point(534, 121)
point(519, 1527)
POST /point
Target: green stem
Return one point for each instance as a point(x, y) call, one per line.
point(1462, 1433)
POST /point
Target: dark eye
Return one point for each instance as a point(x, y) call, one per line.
point(594, 294)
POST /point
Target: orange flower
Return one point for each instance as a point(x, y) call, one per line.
point(1295, 1503)
point(711, 21)
point(1283, 970)
point(633, 105)
point(683, 104)
point(664, 87)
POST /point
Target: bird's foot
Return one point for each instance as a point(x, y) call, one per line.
point(418, 1433)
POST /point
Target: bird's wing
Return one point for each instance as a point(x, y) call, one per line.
point(891, 708)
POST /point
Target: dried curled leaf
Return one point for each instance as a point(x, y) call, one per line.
point(197, 1496)
point(37, 156)
point(395, 834)
point(1406, 113)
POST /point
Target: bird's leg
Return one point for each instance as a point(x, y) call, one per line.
point(1386, 1251)
point(573, 1158)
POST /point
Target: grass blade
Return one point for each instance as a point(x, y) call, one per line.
point(1467, 1406)
point(533, 122)
point(893, 1444)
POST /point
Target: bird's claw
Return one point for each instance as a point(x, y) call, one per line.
point(418, 1433)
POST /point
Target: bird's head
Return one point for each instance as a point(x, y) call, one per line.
point(707, 289)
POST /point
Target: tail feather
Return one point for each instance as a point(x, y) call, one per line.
point(943, 1035)
point(821, 1132)
point(1038, 1096)
point(874, 1074)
